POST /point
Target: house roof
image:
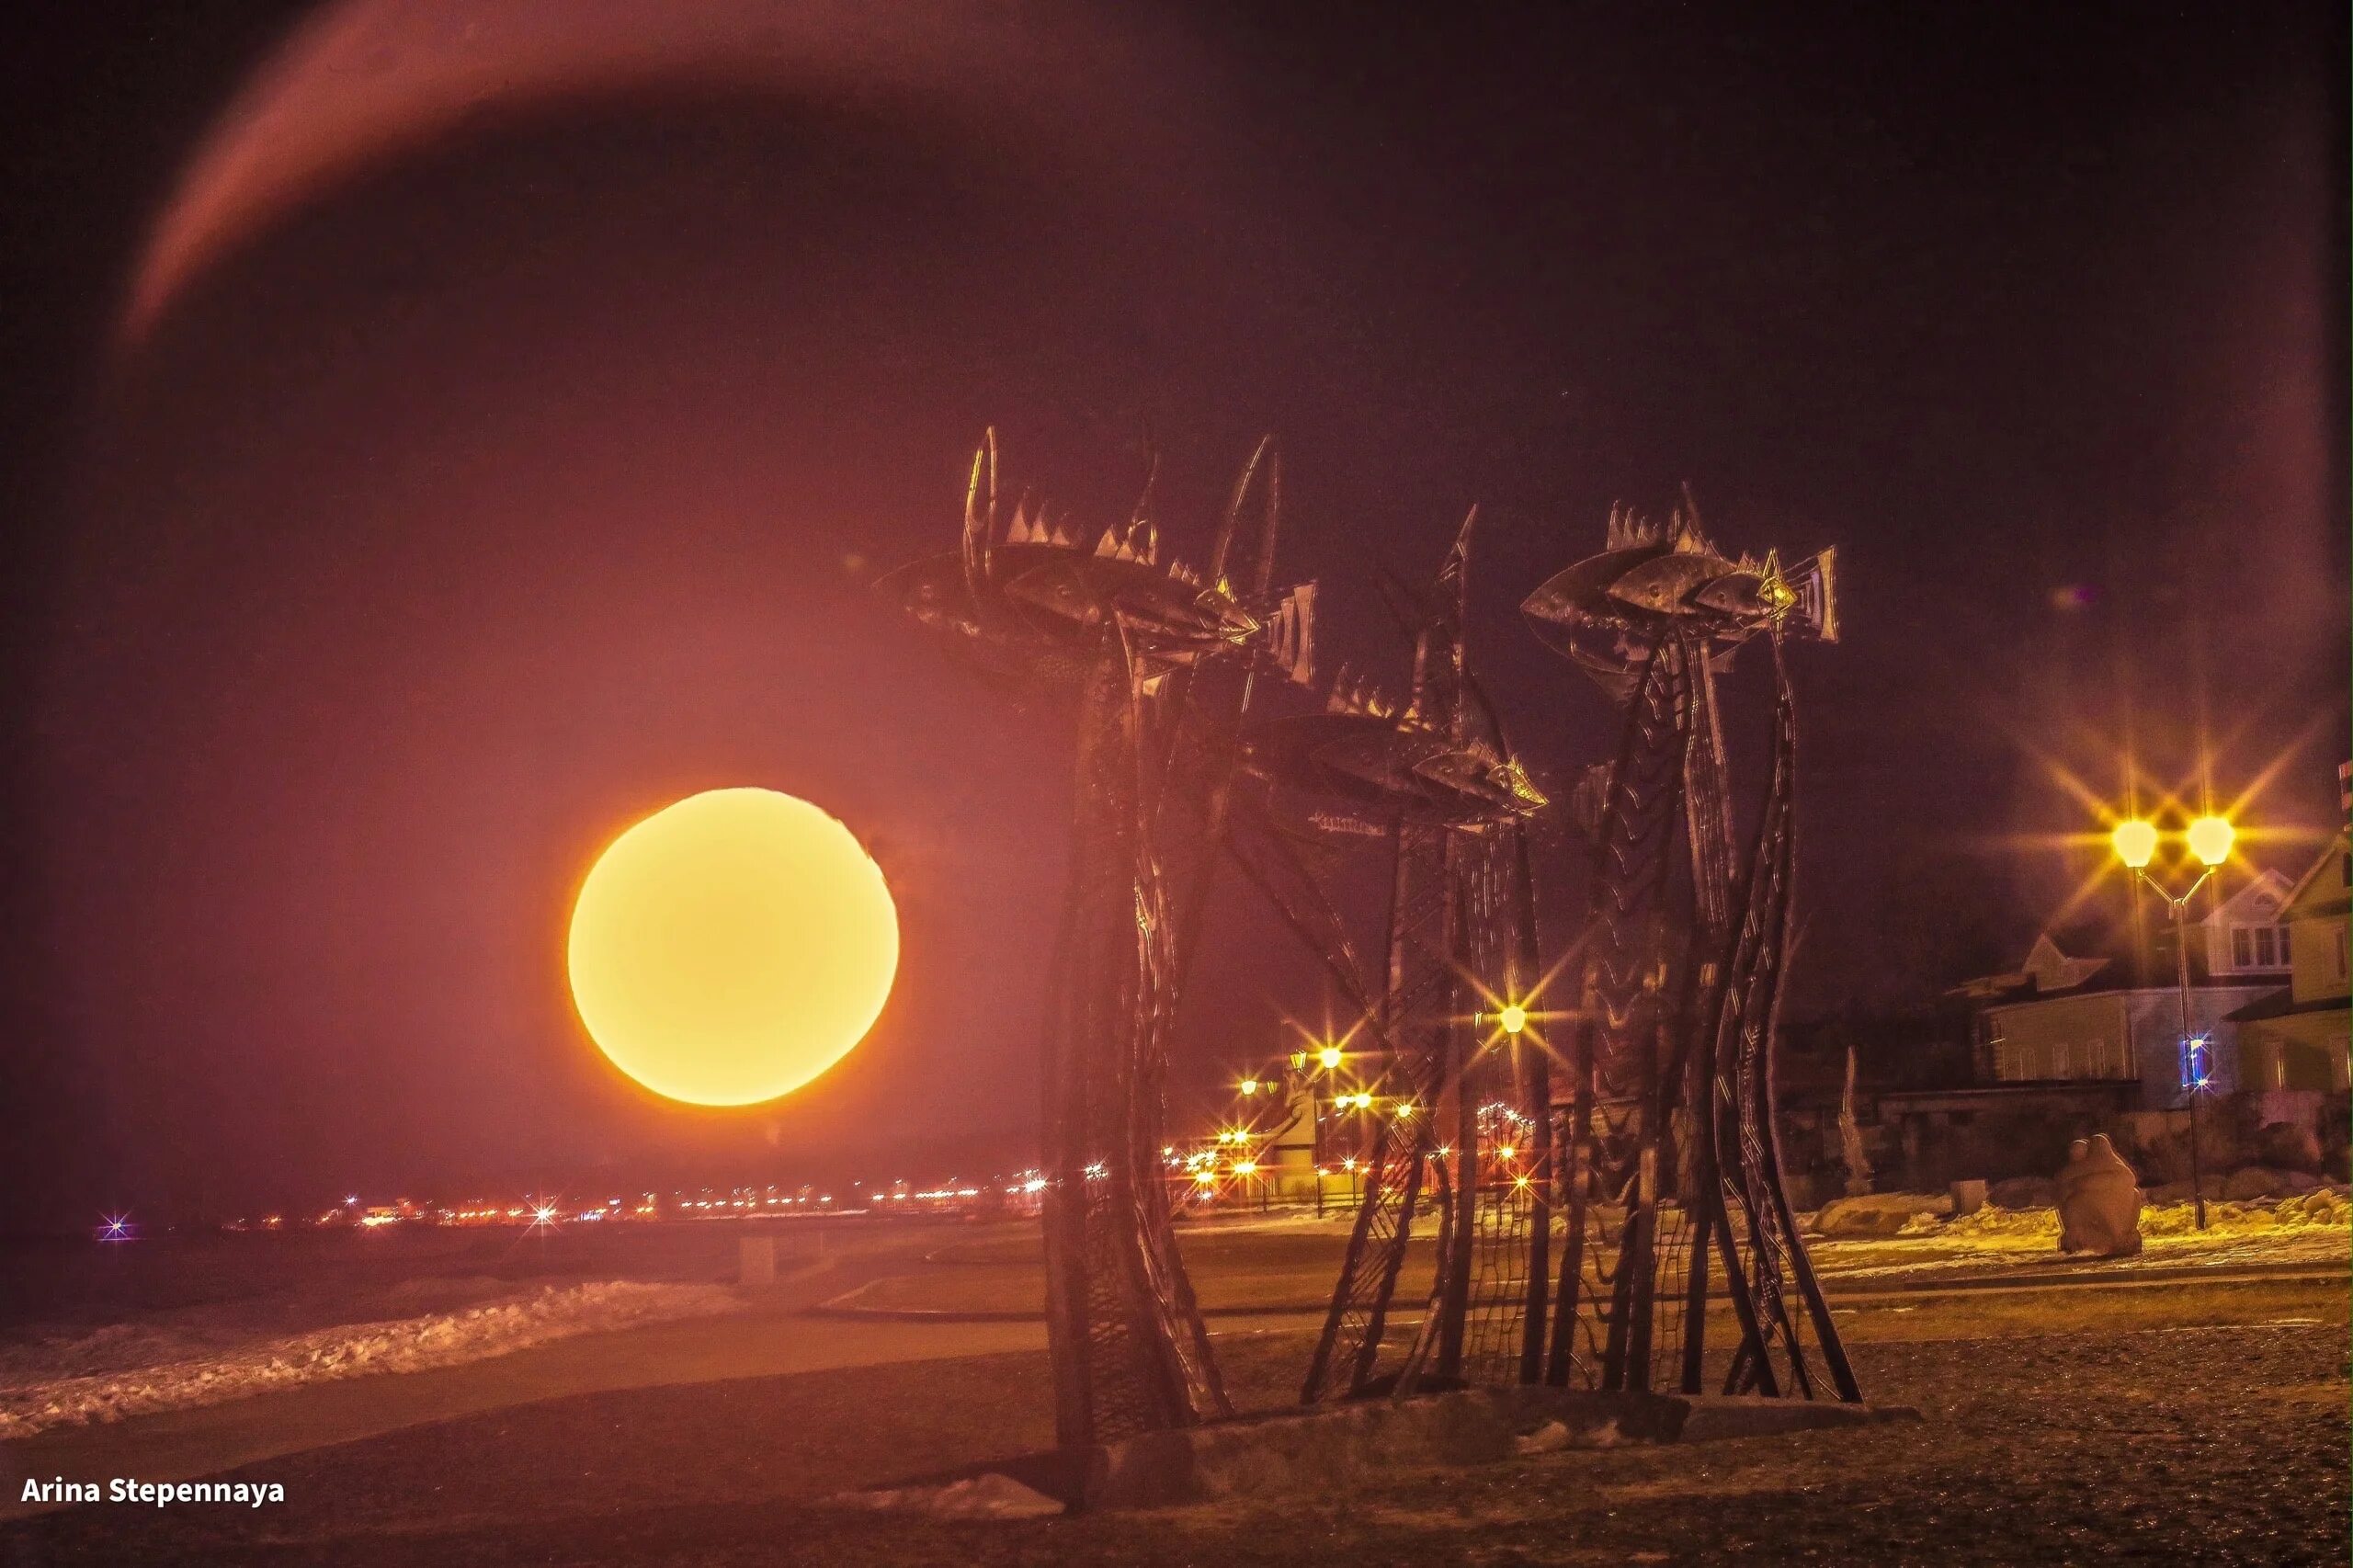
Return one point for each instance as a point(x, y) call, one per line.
point(2256, 903)
point(2312, 895)
point(2061, 961)
point(2283, 1003)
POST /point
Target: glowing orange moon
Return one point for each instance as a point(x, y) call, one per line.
point(729, 949)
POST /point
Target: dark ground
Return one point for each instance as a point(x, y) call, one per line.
point(2207, 1440)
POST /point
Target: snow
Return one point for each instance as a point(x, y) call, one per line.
point(132, 1368)
point(2256, 1233)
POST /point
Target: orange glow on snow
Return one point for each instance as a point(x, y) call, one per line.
point(731, 948)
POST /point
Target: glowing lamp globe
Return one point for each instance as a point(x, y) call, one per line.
point(1514, 1019)
point(2135, 842)
point(731, 948)
point(2210, 840)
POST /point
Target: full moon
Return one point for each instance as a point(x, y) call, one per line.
point(729, 949)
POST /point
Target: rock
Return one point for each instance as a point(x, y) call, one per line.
point(2099, 1201)
point(2256, 1181)
point(2286, 1146)
point(1549, 1439)
point(2023, 1192)
point(2178, 1191)
point(2301, 1181)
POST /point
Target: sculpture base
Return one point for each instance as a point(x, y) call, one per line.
point(1255, 1456)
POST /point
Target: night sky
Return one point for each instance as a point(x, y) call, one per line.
point(520, 459)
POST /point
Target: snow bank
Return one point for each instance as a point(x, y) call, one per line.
point(351, 1350)
point(2320, 1210)
point(1877, 1214)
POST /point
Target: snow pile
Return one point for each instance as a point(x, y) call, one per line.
point(1990, 1222)
point(350, 1350)
point(2320, 1208)
point(205, 1330)
point(1877, 1214)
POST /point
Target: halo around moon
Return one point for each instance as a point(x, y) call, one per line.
point(361, 83)
point(733, 946)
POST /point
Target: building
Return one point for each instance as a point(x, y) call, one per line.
point(2078, 1017)
point(2245, 936)
point(2297, 1038)
point(2071, 1043)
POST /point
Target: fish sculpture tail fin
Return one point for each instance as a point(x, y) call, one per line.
point(1813, 610)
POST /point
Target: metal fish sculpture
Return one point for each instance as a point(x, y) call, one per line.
point(1378, 767)
point(1035, 595)
point(1605, 610)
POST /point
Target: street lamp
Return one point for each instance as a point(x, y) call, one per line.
point(2210, 839)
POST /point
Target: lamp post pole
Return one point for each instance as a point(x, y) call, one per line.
point(2210, 839)
point(2194, 1057)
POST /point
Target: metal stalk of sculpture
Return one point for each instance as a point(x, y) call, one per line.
point(1671, 1175)
point(1159, 661)
point(1442, 796)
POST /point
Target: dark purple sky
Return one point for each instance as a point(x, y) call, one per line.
point(531, 476)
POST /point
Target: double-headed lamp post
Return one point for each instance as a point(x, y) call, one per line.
point(2209, 838)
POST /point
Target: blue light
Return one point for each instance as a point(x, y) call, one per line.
point(2197, 1063)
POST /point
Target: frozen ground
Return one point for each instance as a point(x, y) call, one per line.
point(2198, 1424)
point(313, 1319)
point(207, 1355)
